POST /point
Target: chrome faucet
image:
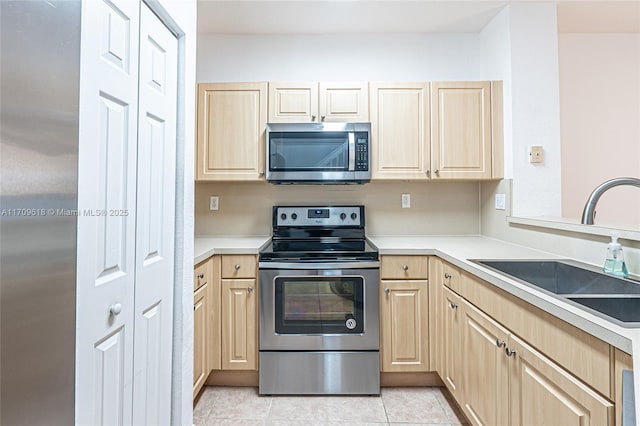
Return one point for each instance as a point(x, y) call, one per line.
point(589, 212)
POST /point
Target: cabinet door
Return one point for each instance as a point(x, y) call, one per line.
point(239, 331)
point(461, 130)
point(231, 124)
point(542, 393)
point(200, 338)
point(485, 369)
point(400, 130)
point(344, 101)
point(451, 342)
point(293, 102)
point(404, 311)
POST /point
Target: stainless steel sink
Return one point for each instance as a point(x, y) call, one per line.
point(624, 308)
point(585, 286)
point(563, 277)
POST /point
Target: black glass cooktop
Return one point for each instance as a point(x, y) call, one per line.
point(320, 249)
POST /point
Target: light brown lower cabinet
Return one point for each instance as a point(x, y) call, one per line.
point(507, 382)
point(201, 366)
point(496, 376)
point(239, 327)
point(404, 310)
point(485, 367)
point(451, 341)
point(542, 393)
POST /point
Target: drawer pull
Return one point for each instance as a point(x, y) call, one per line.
point(453, 305)
point(249, 289)
point(237, 266)
point(501, 343)
point(510, 352)
point(387, 291)
point(447, 275)
point(200, 276)
point(405, 268)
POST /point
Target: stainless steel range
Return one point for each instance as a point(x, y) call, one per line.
point(318, 281)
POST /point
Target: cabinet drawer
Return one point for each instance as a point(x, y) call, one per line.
point(201, 274)
point(450, 276)
point(404, 267)
point(239, 266)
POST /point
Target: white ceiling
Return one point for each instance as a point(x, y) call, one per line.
point(398, 16)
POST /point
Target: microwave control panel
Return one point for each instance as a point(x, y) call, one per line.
point(362, 151)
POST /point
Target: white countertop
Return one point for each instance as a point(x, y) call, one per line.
point(458, 250)
point(207, 246)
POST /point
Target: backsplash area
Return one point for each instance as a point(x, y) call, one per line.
point(437, 208)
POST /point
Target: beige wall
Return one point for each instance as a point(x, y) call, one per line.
point(585, 247)
point(437, 208)
point(600, 109)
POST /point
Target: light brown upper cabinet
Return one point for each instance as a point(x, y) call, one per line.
point(230, 136)
point(400, 131)
point(304, 102)
point(466, 129)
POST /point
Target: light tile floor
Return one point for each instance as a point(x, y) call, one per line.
point(407, 406)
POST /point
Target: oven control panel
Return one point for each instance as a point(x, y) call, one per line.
point(319, 216)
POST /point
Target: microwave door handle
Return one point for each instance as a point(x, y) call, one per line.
point(352, 152)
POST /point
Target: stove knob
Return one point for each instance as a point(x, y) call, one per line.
point(343, 216)
point(294, 216)
point(354, 216)
point(283, 216)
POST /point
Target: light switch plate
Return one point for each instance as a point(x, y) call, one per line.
point(214, 203)
point(406, 201)
point(501, 202)
point(536, 154)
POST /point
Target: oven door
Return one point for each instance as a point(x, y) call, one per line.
point(319, 309)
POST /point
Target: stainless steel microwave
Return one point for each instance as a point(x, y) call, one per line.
point(321, 153)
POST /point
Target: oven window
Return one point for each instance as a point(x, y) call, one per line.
point(319, 305)
point(309, 151)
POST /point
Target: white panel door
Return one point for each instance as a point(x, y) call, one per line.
point(155, 218)
point(106, 207)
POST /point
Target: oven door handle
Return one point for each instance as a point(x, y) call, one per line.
point(319, 265)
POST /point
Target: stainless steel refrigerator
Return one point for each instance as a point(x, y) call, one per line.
point(40, 69)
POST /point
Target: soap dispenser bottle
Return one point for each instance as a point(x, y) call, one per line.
point(614, 263)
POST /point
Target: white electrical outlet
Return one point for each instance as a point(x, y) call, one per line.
point(501, 202)
point(214, 203)
point(536, 154)
point(406, 201)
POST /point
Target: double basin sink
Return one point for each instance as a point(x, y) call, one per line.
point(611, 298)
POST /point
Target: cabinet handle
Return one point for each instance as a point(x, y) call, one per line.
point(510, 352)
point(261, 173)
point(313, 118)
point(428, 172)
point(437, 172)
point(249, 289)
point(447, 275)
point(237, 266)
point(115, 309)
point(405, 268)
point(501, 343)
point(322, 117)
point(387, 291)
point(453, 305)
point(200, 276)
